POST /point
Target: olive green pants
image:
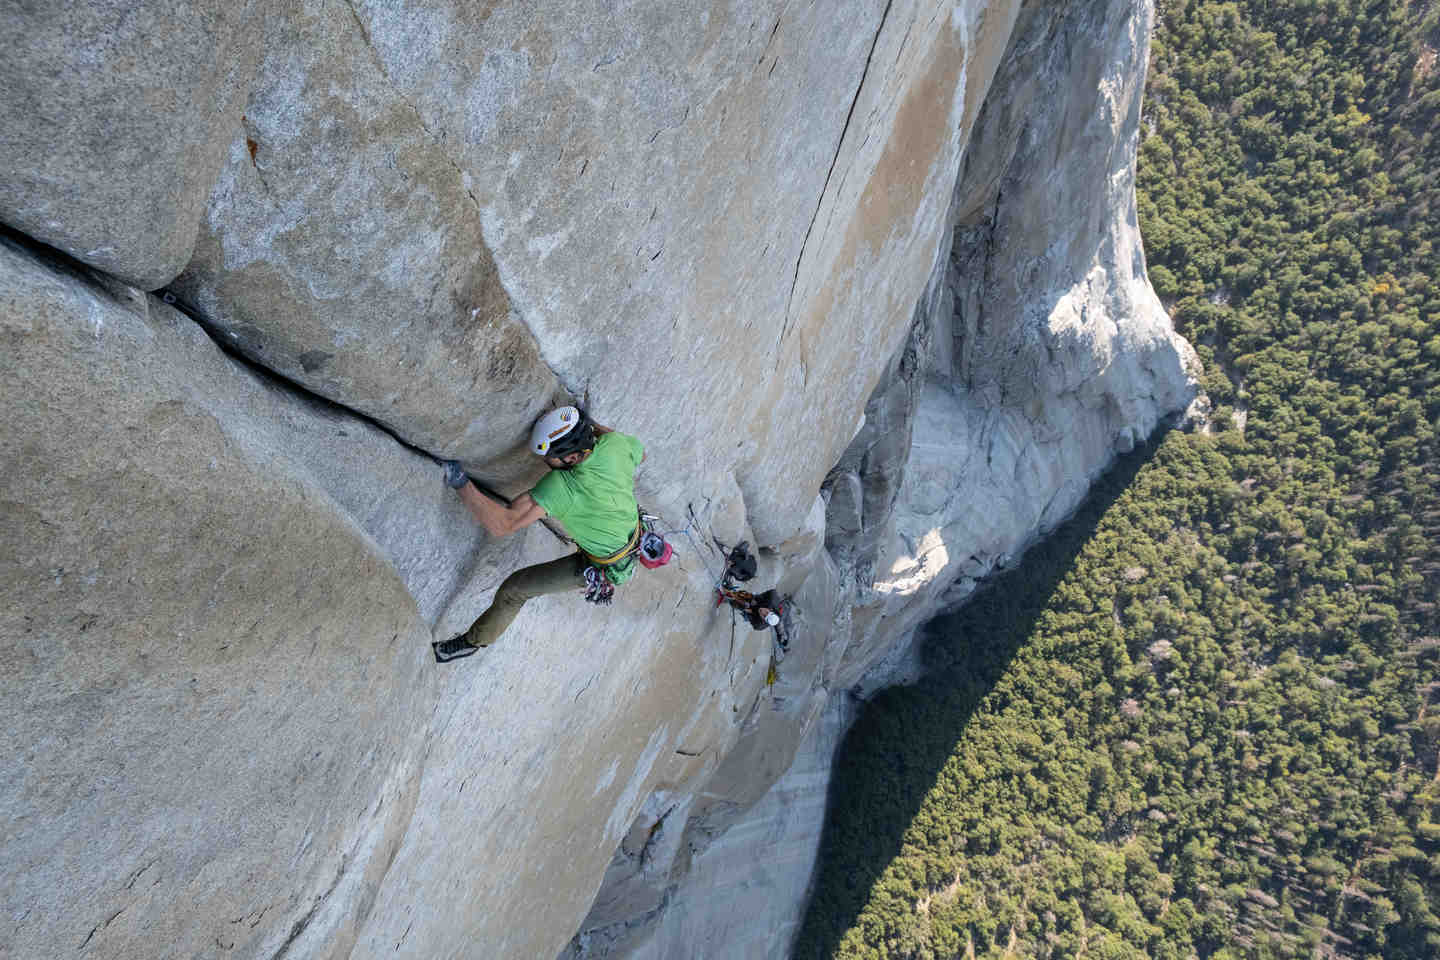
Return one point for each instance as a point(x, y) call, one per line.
point(553, 576)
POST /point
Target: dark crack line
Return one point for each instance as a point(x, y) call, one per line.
point(365, 33)
point(849, 115)
point(575, 394)
point(900, 50)
point(656, 831)
point(218, 337)
point(304, 921)
point(101, 926)
point(130, 883)
point(985, 271)
point(770, 39)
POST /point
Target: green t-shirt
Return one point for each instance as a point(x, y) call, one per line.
point(595, 499)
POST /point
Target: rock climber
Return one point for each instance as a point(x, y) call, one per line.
point(763, 611)
point(590, 489)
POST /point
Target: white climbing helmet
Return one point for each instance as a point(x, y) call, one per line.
point(773, 619)
point(547, 439)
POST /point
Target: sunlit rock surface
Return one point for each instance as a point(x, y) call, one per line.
point(1050, 352)
point(744, 890)
point(886, 335)
point(211, 701)
point(1038, 352)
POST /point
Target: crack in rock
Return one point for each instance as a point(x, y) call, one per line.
point(304, 921)
point(820, 202)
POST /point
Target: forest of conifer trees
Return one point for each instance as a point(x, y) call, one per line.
point(1202, 720)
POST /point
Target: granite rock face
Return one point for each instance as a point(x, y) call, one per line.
point(343, 248)
point(1050, 351)
point(423, 195)
point(744, 890)
point(827, 262)
point(195, 717)
point(221, 688)
point(116, 115)
point(1038, 351)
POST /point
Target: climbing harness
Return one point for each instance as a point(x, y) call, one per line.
point(647, 546)
point(598, 588)
point(630, 547)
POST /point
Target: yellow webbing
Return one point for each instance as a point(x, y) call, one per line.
point(620, 554)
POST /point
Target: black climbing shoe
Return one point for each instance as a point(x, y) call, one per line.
point(452, 649)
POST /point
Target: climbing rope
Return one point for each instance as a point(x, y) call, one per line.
point(723, 590)
point(687, 531)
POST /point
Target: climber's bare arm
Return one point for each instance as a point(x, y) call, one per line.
point(498, 519)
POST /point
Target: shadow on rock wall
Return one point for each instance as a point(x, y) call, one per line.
point(904, 735)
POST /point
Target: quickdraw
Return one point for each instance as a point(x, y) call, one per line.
point(598, 588)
